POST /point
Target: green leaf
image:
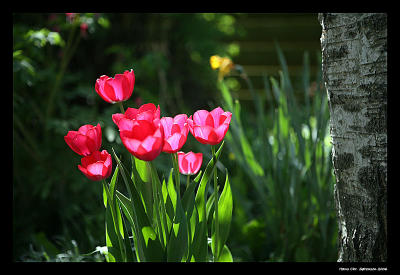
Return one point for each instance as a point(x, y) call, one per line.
point(177, 246)
point(226, 95)
point(169, 208)
point(112, 238)
point(148, 244)
point(114, 227)
point(188, 198)
point(225, 206)
point(112, 186)
point(159, 204)
point(141, 177)
point(41, 240)
point(200, 234)
point(127, 242)
point(153, 251)
point(225, 255)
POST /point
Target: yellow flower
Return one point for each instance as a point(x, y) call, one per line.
point(224, 64)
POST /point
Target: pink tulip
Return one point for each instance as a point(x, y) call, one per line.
point(209, 127)
point(142, 138)
point(175, 132)
point(147, 112)
point(116, 89)
point(85, 141)
point(189, 163)
point(97, 166)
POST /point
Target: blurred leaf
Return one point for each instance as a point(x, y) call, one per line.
point(41, 241)
point(104, 22)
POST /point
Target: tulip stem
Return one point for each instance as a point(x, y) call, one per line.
point(187, 181)
point(176, 172)
point(121, 106)
point(216, 224)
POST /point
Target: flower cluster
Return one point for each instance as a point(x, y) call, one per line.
point(86, 142)
point(143, 132)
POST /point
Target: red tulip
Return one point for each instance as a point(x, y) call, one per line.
point(147, 112)
point(86, 140)
point(116, 89)
point(209, 127)
point(97, 166)
point(144, 139)
point(175, 132)
point(189, 163)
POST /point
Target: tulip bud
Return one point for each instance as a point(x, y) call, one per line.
point(189, 163)
point(116, 89)
point(86, 140)
point(96, 166)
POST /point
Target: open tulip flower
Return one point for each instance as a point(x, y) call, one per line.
point(189, 163)
point(175, 132)
point(144, 139)
point(209, 127)
point(96, 166)
point(116, 89)
point(147, 112)
point(86, 140)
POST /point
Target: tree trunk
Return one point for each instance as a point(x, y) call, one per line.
point(354, 65)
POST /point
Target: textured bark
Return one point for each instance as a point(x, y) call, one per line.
point(354, 65)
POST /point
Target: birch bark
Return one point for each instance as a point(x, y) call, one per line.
point(354, 65)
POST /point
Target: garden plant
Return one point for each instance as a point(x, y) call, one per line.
point(159, 222)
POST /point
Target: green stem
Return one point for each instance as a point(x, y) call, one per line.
point(157, 200)
point(121, 106)
point(187, 181)
point(216, 224)
point(176, 173)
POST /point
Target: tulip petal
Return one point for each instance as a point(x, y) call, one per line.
point(148, 143)
point(175, 141)
point(130, 76)
point(125, 124)
point(221, 131)
point(130, 143)
point(205, 135)
point(117, 117)
point(166, 123)
point(106, 158)
point(95, 169)
point(216, 113)
point(180, 119)
point(199, 117)
point(99, 88)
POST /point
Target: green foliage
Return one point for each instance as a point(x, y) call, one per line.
point(288, 164)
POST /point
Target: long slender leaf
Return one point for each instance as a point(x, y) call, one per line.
point(151, 249)
point(225, 206)
point(200, 234)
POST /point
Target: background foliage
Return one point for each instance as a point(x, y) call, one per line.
point(58, 214)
